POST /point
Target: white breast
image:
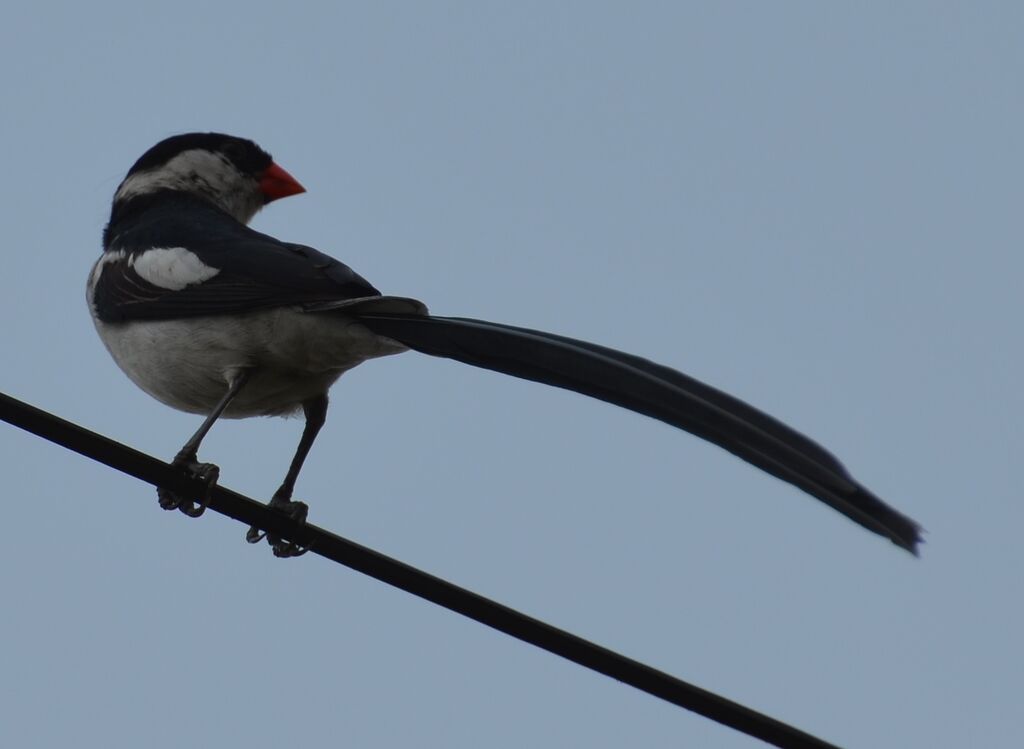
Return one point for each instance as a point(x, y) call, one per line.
point(293, 356)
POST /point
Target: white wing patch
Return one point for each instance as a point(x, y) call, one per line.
point(172, 268)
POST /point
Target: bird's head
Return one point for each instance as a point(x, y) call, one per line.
point(233, 173)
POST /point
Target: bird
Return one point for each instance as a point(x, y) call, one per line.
point(211, 317)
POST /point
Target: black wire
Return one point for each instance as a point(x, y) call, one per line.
point(411, 580)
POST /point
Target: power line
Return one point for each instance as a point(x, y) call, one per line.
point(419, 583)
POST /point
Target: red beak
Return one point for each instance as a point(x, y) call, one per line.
point(277, 183)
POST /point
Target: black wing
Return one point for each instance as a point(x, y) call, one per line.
point(244, 270)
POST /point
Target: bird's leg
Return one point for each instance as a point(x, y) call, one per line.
point(315, 411)
point(187, 458)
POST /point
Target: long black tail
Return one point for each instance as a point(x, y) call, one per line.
point(657, 391)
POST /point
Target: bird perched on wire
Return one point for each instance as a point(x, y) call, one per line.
point(211, 317)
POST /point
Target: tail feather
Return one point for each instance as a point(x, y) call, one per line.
point(654, 390)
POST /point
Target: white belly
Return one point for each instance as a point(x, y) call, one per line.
point(292, 355)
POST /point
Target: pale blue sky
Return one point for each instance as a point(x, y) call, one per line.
point(815, 206)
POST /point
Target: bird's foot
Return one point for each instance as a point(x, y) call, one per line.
point(297, 511)
point(207, 473)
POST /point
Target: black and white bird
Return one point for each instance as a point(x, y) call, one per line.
point(213, 318)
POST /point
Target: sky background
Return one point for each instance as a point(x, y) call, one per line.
point(814, 206)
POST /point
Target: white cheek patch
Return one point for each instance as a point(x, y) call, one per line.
point(172, 268)
point(139, 184)
point(208, 175)
point(177, 174)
